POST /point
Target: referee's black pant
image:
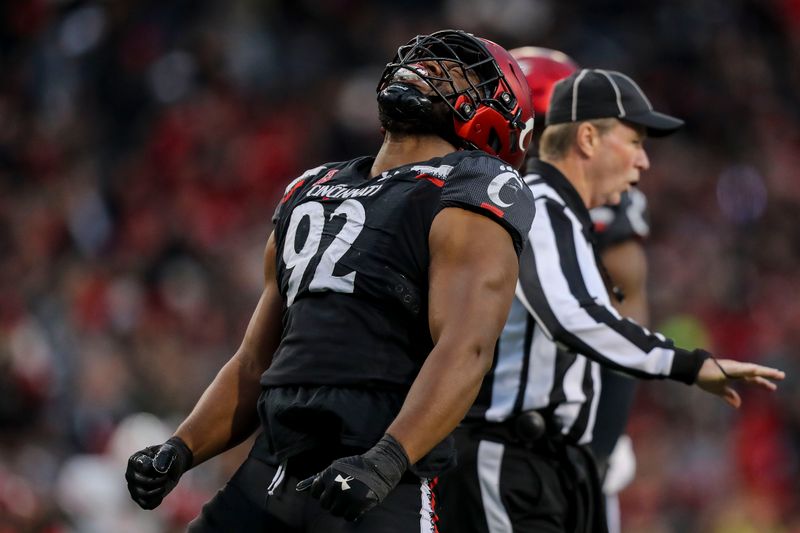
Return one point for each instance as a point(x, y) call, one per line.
point(506, 486)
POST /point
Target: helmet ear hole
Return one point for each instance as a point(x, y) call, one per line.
point(494, 141)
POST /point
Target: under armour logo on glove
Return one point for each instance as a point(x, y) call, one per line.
point(363, 480)
point(343, 481)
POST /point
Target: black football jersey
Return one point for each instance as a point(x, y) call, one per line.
point(626, 220)
point(352, 263)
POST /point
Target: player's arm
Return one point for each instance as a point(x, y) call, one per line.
point(626, 263)
point(556, 273)
point(473, 271)
point(226, 413)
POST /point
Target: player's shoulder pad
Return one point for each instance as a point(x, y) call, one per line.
point(626, 220)
point(489, 186)
point(304, 180)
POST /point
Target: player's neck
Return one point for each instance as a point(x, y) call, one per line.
point(574, 171)
point(398, 150)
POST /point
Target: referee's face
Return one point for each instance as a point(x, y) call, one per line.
point(619, 159)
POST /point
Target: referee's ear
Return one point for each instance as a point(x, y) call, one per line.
point(586, 138)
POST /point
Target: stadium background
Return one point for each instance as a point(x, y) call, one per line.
point(142, 148)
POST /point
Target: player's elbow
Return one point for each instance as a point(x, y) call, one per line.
point(481, 355)
point(485, 358)
point(466, 354)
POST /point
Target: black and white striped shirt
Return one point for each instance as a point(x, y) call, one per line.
point(562, 323)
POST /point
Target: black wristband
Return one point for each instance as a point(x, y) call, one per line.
point(185, 454)
point(388, 459)
point(686, 365)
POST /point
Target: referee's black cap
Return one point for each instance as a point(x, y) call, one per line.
point(595, 93)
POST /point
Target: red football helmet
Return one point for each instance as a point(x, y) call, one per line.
point(543, 68)
point(493, 114)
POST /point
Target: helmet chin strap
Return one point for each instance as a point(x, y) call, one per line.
point(403, 108)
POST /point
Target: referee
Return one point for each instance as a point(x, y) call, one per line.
point(620, 232)
point(523, 461)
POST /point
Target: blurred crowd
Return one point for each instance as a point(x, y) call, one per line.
point(143, 146)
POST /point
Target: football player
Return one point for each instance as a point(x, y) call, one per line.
point(387, 281)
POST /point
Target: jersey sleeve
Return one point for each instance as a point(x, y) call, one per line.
point(488, 186)
point(560, 285)
point(618, 223)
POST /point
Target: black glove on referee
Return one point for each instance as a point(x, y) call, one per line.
point(351, 486)
point(153, 472)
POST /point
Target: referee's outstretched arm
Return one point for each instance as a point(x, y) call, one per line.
point(572, 313)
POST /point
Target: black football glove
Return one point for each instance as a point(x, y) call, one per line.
point(153, 472)
point(351, 486)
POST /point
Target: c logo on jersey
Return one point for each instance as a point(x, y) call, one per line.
point(507, 178)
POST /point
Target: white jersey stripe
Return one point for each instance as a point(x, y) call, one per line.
point(541, 374)
point(598, 388)
point(490, 459)
point(507, 373)
point(572, 385)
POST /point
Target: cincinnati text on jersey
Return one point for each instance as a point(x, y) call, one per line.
point(342, 191)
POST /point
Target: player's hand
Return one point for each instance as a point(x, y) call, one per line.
point(153, 472)
point(717, 375)
point(351, 486)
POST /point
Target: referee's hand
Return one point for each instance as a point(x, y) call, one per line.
point(717, 375)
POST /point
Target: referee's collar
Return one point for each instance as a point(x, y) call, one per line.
point(564, 188)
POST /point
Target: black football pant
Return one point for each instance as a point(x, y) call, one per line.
point(613, 408)
point(501, 487)
point(261, 498)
